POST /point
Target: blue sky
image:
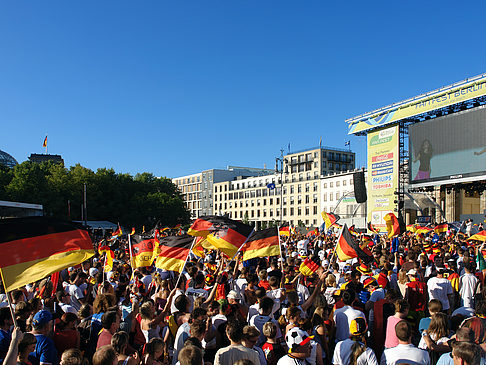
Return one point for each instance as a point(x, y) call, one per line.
point(175, 87)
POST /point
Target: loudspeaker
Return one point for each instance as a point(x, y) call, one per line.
point(359, 186)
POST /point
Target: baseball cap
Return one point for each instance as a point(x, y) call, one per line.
point(296, 337)
point(93, 272)
point(41, 318)
point(412, 272)
point(358, 326)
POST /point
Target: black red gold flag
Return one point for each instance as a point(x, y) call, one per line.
point(309, 266)
point(262, 243)
point(392, 225)
point(348, 248)
point(173, 252)
point(223, 233)
point(35, 247)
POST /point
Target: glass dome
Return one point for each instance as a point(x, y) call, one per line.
point(7, 160)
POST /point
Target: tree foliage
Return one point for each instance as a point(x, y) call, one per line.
point(133, 201)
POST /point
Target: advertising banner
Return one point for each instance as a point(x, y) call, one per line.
point(383, 173)
point(435, 100)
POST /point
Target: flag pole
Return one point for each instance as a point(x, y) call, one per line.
point(337, 243)
point(239, 248)
point(185, 262)
point(130, 251)
point(9, 300)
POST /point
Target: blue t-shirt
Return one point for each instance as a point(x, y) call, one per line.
point(5, 338)
point(45, 351)
point(424, 324)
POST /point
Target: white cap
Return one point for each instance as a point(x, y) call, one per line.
point(412, 272)
point(93, 271)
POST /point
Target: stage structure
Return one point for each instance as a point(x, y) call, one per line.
point(434, 142)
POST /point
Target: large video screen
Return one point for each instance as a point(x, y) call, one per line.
point(448, 148)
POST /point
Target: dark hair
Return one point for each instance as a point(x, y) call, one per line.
point(190, 355)
point(469, 352)
point(105, 355)
point(181, 302)
point(348, 296)
point(108, 318)
point(4, 314)
point(197, 328)
point(266, 305)
point(403, 330)
point(197, 312)
point(119, 341)
point(234, 330)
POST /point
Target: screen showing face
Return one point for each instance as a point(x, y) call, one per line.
point(449, 147)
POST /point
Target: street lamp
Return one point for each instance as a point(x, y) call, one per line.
point(281, 165)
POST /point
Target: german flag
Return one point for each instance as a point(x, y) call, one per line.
point(142, 250)
point(372, 228)
point(133, 231)
point(223, 233)
point(198, 248)
point(309, 266)
point(45, 142)
point(284, 231)
point(118, 232)
point(392, 225)
point(329, 219)
point(35, 247)
point(347, 248)
point(110, 255)
point(173, 252)
point(262, 244)
point(353, 231)
point(441, 228)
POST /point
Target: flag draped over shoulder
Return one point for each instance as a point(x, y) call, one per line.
point(173, 252)
point(35, 247)
point(329, 219)
point(223, 233)
point(392, 225)
point(142, 250)
point(262, 244)
point(348, 248)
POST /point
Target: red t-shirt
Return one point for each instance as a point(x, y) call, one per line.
point(417, 295)
point(104, 338)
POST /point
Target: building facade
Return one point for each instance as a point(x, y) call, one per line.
point(293, 195)
point(197, 189)
point(337, 196)
point(190, 188)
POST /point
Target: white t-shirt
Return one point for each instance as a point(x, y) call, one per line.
point(467, 286)
point(66, 308)
point(342, 352)
point(405, 354)
point(258, 321)
point(76, 294)
point(343, 317)
point(276, 295)
point(193, 293)
point(439, 288)
point(287, 360)
point(182, 335)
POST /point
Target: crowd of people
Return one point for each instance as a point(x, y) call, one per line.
point(420, 301)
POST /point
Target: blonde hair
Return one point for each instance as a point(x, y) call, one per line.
point(331, 281)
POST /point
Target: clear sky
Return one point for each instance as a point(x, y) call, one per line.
point(176, 87)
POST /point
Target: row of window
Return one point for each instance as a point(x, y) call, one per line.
point(264, 213)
